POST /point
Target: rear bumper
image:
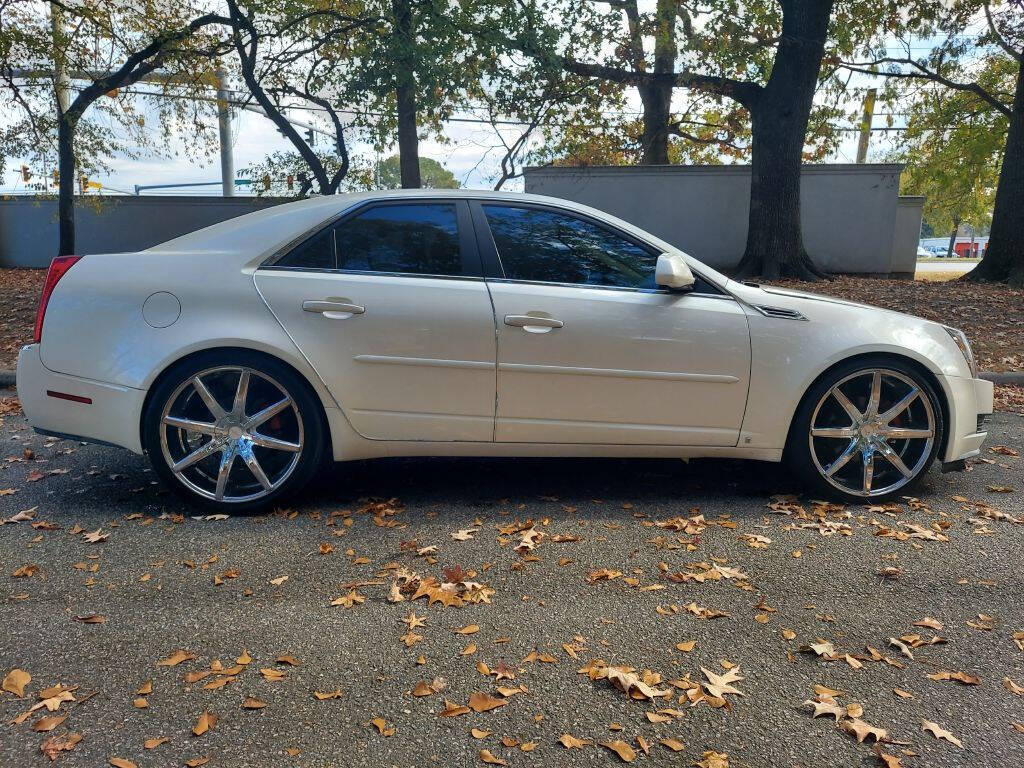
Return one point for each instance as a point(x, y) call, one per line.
point(111, 416)
point(968, 399)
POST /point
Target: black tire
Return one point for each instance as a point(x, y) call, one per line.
point(798, 445)
point(307, 416)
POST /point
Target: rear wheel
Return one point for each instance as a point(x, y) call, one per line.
point(233, 430)
point(868, 430)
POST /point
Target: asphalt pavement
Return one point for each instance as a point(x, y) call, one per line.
point(625, 570)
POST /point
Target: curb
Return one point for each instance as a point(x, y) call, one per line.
point(7, 378)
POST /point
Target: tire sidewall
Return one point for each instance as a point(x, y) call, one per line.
point(798, 450)
point(296, 387)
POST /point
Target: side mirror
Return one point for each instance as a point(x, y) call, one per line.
point(672, 272)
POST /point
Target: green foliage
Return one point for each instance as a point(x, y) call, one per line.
point(953, 150)
point(433, 175)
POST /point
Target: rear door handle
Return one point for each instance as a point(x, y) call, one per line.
point(334, 310)
point(533, 324)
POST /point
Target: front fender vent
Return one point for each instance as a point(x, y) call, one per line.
point(780, 312)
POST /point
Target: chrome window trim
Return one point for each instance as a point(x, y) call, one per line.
point(620, 288)
point(372, 273)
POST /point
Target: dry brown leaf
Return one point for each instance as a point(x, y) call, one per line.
point(54, 745)
point(15, 682)
point(483, 702)
point(207, 720)
point(120, 762)
point(487, 757)
point(625, 752)
point(674, 744)
point(1012, 687)
point(939, 732)
point(251, 702)
point(176, 658)
point(451, 709)
point(569, 741)
point(479, 733)
point(154, 743)
point(889, 761)
point(686, 647)
point(713, 759)
point(382, 726)
point(196, 762)
point(335, 694)
point(48, 723)
point(861, 730)
point(469, 629)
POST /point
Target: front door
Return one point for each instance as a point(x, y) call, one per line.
point(390, 308)
point(591, 351)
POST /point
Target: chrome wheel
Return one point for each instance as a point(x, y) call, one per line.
point(872, 432)
point(231, 434)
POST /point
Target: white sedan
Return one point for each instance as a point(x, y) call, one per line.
point(242, 356)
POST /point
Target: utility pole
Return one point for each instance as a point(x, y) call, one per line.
point(227, 160)
point(865, 124)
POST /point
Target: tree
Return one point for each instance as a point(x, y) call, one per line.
point(952, 148)
point(997, 80)
point(291, 56)
point(763, 56)
point(432, 174)
point(104, 47)
point(406, 73)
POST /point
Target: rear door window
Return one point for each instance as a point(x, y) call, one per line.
point(416, 239)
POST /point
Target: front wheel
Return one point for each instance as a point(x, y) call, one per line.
point(233, 430)
point(868, 430)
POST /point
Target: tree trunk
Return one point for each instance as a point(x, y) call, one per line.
point(408, 140)
point(657, 103)
point(779, 116)
point(405, 96)
point(1004, 259)
point(952, 237)
point(66, 184)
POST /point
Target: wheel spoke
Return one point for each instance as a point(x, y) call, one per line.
point(227, 459)
point(876, 394)
point(208, 398)
point(843, 459)
point(901, 433)
point(843, 432)
point(238, 408)
point(265, 441)
point(257, 471)
point(200, 453)
point(894, 458)
point(267, 413)
point(869, 469)
point(901, 406)
point(202, 427)
point(850, 408)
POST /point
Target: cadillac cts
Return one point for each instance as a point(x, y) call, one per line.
point(242, 356)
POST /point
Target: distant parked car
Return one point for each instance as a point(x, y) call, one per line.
point(925, 253)
point(460, 323)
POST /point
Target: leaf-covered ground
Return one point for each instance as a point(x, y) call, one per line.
point(520, 612)
point(992, 316)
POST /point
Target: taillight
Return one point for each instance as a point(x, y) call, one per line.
point(58, 268)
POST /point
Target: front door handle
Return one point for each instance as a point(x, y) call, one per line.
point(533, 324)
point(334, 310)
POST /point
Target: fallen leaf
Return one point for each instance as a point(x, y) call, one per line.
point(479, 733)
point(48, 723)
point(713, 759)
point(176, 658)
point(54, 745)
point(251, 702)
point(483, 702)
point(335, 694)
point(861, 730)
point(571, 742)
point(15, 682)
point(939, 732)
point(674, 744)
point(469, 629)
point(154, 743)
point(487, 757)
point(1012, 687)
point(207, 720)
point(686, 647)
point(382, 727)
point(120, 762)
point(625, 752)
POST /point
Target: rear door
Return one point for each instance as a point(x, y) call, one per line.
point(390, 307)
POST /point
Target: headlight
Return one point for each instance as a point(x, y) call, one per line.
point(965, 346)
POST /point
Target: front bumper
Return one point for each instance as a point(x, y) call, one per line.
point(112, 415)
point(968, 399)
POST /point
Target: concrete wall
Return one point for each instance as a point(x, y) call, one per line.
point(850, 213)
point(28, 225)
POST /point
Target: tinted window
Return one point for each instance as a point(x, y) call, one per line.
point(553, 247)
point(415, 239)
point(315, 253)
